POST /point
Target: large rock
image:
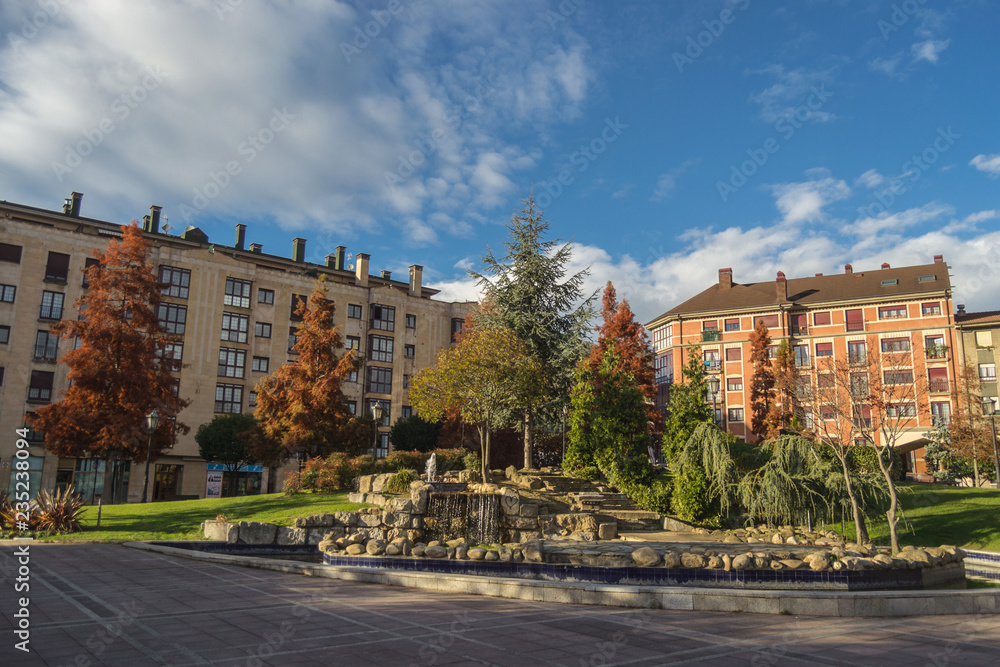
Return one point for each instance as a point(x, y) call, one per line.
point(522, 523)
point(375, 547)
point(646, 557)
point(607, 531)
point(714, 563)
point(491, 555)
point(436, 552)
point(510, 502)
point(743, 562)
point(419, 496)
point(671, 560)
point(346, 519)
point(255, 532)
point(372, 520)
point(355, 549)
point(365, 483)
point(222, 531)
point(529, 510)
point(532, 551)
point(380, 481)
point(287, 536)
point(511, 473)
point(692, 560)
point(476, 553)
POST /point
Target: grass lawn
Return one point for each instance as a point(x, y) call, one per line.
point(181, 519)
point(935, 515)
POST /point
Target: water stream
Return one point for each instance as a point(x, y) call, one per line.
point(476, 517)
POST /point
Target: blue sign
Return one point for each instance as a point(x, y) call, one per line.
point(243, 468)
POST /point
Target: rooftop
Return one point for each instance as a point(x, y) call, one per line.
point(984, 317)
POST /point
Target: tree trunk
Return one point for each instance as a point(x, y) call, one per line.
point(527, 439)
point(860, 526)
point(890, 515)
point(975, 470)
point(484, 451)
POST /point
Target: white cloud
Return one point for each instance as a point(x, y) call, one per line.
point(929, 50)
point(895, 223)
point(804, 202)
point(885, 65)
point(667, 183)
point(988, 163)
point(792, 90)
point(871, 179)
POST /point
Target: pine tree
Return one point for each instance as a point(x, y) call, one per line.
point(527, 291)
point(118, 370)
point(687, 406)
point(762, 380)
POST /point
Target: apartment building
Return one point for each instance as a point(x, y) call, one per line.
point(904, 312)
point(976, 335)
point(233, 307)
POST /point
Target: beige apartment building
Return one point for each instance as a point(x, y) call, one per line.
point(233, 307)
point(978, 336)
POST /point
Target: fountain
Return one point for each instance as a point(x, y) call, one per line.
point(431, 469)
point(476, 517)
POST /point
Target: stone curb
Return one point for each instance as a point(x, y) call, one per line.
point(798, 603)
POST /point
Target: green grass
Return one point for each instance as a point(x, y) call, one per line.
point(181, 520)
point(935, 515)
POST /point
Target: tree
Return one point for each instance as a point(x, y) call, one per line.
point(301, 407)
point(784, 406)
point(762, 380)
point(633, 352)
point(527, 291)
point(687, 406)
point(414, 434)
point(119, 369)
point(224, 440)
point(971, 442)
point(489, 376)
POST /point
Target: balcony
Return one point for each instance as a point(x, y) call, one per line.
point(713, 366)
point(936, 352)
point(938, 386)
point(710, 336)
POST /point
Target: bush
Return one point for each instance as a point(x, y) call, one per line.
point(472, 462)
point(337, 471)
point(9, 517)
point(59, 512)
point(590, 473)
point(690, 494)
point(400, 482)
point(864, 460)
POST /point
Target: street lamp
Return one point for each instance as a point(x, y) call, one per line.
point(152, 422)
point(378, 412)
point(565, 414)
point(713, 388)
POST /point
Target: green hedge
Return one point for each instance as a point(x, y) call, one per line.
point(338, 470)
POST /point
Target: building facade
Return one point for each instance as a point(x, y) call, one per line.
point(905, 314)
point(233, 309)
point(976, 335)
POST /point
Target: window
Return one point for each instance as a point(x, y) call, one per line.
point(717, 415)
point(235, 327)
point(803, 387)
point(663, 369)
point(898, 377)
point(930, 309)
point(901, 410)
point(228, 398)
point(7, 293)
point(10, 253)
point(265, 296)
point(856, 352)
point(407, 412)
point(456, 328)
point(411, 321)
point(1, 376)
point(825, 380)
point(252, 399)
point(855, 320)
point(895, 344)
point(379, 380)
point(406, 381)
point(663, 337)
point(237, 293)
point(770, 321)
point(293, 339)
point(89, 262)
point(260, 364)
point(859, 384)
point(772, 351)
point(52, 306)
point(988, 372)
point(934, 347)
point(733, 324)
point(409, 351)
point(171, 354)
point(941, 412)
point(380, 348)
point(57, 267)
point(297, 301)
point(824, 349)
point(353, 343)
point(262, 329)
point(386, 409)
point(799, 324)
point(734, 384)
point(353, 377)
point(821, 318)
point(353, 311)
point(232, 362)
point(862, 416)
point(382, 447)
point(891, 312)
point(735, 414)
point(801, 353)
point(734, 353)
point(937, 379)
point(352, 407)
point(809, 419)
point(46, 346)
point(890, 281)
point(711, 360)
point(4, 334)
point(984, 339)
point(710, 325)
point(926, 279)
point(40, 388)
point(826, 412)
point(177, 282)
point(173, 318)
point(383, 318)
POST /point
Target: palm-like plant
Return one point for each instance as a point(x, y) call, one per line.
point(59, 512)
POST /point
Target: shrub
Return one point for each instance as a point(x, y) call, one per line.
point(472, 461)
point(590, 473)
point(864, 460)
point(690, 494)
point(59, 512)
point(400, 481)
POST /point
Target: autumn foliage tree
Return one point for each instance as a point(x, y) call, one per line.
point(117, 370)
point(301, 406)
point(762, 380)
point(784, 399)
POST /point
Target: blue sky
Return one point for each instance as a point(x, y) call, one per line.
point(665, 139)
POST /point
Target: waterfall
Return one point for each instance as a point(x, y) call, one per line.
point(476, 517)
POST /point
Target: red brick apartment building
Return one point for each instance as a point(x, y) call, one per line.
point(904, 311)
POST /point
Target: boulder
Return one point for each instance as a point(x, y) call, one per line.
point(436, 552)
point(222, 531)
point(255, 532)
point(370, 520)
point(532, 551)
point(607, 531)
point(742, 562)
point(511, 473)
point(355, 549)
point(345, 519)
point(671, 560)
point(727, 562)
point(419, 496)
point(692, 560)
point(506, 555)
point(491, 555)
point(792, 563)
point(675, 525)
point(731, 539)
point(714, 563)
point(451, 553)
point(393, 550)
point(476, 553)
point(375, 547)
point(777, 538)
point(365, 483)
point(510, 502)
point(518, 555)
point(462, 552)
point(645, 557)
point(522, 523)
point(287, 536)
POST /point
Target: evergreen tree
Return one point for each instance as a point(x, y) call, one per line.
point(414, 434)
point(785, 403)
point(527, 290)
point(225, 440)
point(687, 406)
point(762, 381)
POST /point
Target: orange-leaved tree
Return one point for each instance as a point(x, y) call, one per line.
point(301, 406)
point(762, 380)
point(118, 370)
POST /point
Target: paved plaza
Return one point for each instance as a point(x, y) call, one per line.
point(111, 605)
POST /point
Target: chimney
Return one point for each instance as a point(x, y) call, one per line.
point(241, 236)
point(416, 275)
point(154, 219)
point(885, 265)
point(938, 259)
point(386, 275)
point(145, 223)
point(361, 269)
point(256, 247)
point(818, 275)
point(341, 254)
point(725, 278)
point(75, 208)
point(848, 269)
point(331, 261)
point(961, 309)
point(298, 249)
point(782, 286)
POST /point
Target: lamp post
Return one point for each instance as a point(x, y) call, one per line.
point(565, 413)
point(378, 412)
point(713, 388)
point(152, 422)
